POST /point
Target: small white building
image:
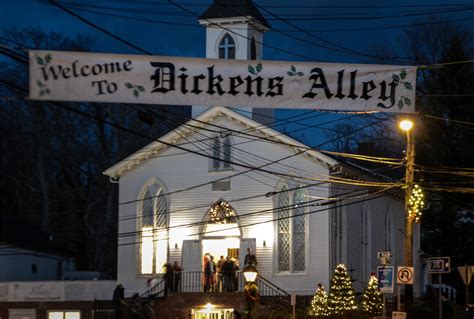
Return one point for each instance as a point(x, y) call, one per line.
point(223, 182)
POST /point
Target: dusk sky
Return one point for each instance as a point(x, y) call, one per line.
point(329, 31)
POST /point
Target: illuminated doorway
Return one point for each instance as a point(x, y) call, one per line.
point(221, 231)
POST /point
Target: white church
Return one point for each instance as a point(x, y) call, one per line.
point(247, 185)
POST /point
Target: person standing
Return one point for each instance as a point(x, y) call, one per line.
point(227, 267)
point(219, 265)
point(177, 276)
point(168, 278)
point(250, 258)
point(117, 299)
point(209, 271)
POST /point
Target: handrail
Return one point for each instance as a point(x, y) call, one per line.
point(156, 291)
point(272, 286)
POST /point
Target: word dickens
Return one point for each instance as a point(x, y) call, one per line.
point(167, 80)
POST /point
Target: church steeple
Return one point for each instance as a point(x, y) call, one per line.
point(234, 30)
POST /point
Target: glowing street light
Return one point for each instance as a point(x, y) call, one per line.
point(406, 125)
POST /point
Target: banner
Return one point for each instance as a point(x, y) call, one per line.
point(97, 77)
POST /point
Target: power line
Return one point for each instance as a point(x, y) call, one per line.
point(95, 26)
point(272, 220)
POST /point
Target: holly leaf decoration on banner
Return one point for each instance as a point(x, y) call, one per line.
point(401, 79)
point(293, 71)
point(136, 89)
point(255, 70)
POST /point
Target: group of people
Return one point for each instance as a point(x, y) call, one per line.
point(222, 275)
point(172, 277)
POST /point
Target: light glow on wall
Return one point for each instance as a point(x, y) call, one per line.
point(147, 250)
point(262, 233)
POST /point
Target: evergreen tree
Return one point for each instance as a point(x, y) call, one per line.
point(319, 304)
point(341, 298)
point(372, 303)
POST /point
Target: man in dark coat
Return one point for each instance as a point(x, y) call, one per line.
point(117, 298)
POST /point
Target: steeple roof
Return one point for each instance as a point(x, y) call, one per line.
point(234, 8)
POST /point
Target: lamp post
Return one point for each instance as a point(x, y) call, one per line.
point(250, 288)
point(407, 125)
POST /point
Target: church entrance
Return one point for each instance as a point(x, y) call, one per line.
point(220, 235)
point(222, 247)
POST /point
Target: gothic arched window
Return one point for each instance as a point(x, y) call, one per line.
point(221, 220)
point(291, 228)
point(221, 152)
point(154, 222)
point(227, 47)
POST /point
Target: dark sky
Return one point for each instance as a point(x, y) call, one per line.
point(311, 30)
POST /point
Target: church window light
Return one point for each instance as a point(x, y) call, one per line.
point(154, 221)
point(291, 229)
point(227, 47)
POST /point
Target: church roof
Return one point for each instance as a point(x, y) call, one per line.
point(234, 8)
point(152, 149)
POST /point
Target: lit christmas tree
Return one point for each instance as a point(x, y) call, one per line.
point(372, 303)
point(341, 298)
point(319, 304)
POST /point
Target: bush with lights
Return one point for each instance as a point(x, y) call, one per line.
point(319, 303)
point(372, 301)
point(341, 298)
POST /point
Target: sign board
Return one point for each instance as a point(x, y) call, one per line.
point(439, 265)
point(144, 79)
point(405, 275)
point(466, 274)
point(385, 278)
point(384, 254)
point(399, 315)
point(293, 299)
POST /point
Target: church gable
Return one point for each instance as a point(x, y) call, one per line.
point(211, 137)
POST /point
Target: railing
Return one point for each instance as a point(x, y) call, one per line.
point(193, 281)
point(158, 290)
point(267, 288)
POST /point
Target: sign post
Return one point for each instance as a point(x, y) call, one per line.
point(439, 265)
point(385, 281)
point(404, 277)
point(466, 275)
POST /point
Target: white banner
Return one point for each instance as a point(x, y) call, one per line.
point(97, 77)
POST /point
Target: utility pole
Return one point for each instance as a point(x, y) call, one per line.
point(407, 125)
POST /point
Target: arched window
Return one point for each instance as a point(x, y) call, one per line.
point(227, 47)
point(154, 222)
point(221, 221)
point(222, 152)
point(253, 50)
point(291, 228)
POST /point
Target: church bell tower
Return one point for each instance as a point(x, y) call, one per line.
point(234, 30)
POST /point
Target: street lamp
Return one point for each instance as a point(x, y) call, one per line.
point(250, 288)
point(250, 273)
point(407, 125)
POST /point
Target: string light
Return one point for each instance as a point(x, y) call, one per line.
point(416, 204)
point(221, 213)
point(372, 302)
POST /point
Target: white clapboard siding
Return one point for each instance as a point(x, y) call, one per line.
point(333, 235)
point(178, 170)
